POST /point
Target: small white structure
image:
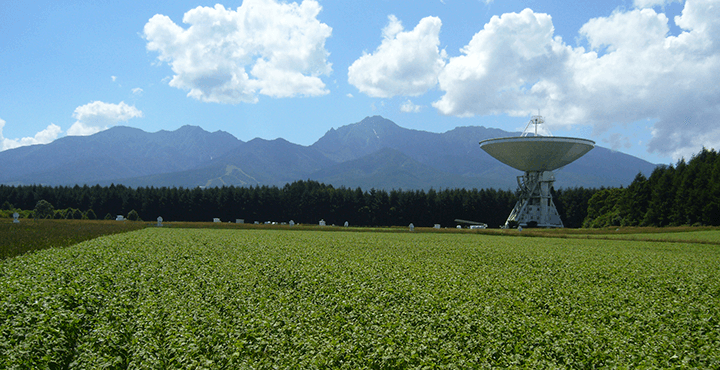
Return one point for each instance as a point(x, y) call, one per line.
point(216, 219)
point(459, 227)
point(256, 223)
point(483, 226)
point(322, 222)
point(437, 226)
point(411, 227)
point(160, 220)
point(239, 220)
point(346, 224)
point(291, 223)
point(15, 218)
point(120, 218)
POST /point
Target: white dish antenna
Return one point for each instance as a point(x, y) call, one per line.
point(537, 156)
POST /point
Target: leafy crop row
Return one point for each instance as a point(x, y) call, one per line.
point(181, 298)
point(30, 235)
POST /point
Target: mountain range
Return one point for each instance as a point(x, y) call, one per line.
point(373, 153)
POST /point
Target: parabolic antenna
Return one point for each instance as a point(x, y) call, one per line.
point(537, 156)
point(537, 153)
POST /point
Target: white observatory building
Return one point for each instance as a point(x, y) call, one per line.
point(537, 156)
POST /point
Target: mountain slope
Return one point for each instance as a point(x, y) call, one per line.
point(388, 168)
point(119, 152)
point(374, 152)
point(457, 152)
point(257, 162)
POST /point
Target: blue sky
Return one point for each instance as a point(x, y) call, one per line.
point(639, 76)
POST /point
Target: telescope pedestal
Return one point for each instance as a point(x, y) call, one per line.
point(535, 206)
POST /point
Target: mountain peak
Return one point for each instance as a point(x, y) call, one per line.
point(358, 139)
point(376, 121)
point(190, 129)
point(374, 152)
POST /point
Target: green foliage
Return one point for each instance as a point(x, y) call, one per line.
point(31, 235)
point(686, 194)
point(43, 209)
point(133, 216)
point(90, 215)
point(181, 298)
point(302, 201)
point(603, 209)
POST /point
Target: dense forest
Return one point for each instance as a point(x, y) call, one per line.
point(301, 201)
point(685, 194)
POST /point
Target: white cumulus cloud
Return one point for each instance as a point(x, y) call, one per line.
point(43, 137)
point(230, 56)
point(98, 116)
point(405, 63)
point(633, 70)
point(502, 63)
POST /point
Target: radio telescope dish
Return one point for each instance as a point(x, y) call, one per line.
point(537, 156)
point(537, 153)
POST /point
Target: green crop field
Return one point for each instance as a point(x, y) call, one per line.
point(703, 236)
point(30, 235)
point(168, 298)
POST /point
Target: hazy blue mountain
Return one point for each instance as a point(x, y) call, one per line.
point(374, 152)
point(119, 152)
point(457, 152)
point(388, 168)
point(257, 162)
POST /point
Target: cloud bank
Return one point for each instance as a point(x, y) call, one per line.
point(43, 137)
point(264, 47)
point(98, 116)
point(629, 70)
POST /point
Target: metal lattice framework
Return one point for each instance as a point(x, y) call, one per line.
point(535, 204)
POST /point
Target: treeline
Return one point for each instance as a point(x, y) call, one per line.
point(685, 194)
point(301, 201)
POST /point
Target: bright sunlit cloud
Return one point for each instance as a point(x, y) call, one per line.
point(231, 56)
point(98, 116)
point(631, 72)
point(43, 137)
point(405, 63)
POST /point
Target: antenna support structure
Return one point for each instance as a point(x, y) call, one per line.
point(537, 156)
point(535, 205)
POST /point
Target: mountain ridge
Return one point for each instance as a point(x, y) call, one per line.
point(372, 153)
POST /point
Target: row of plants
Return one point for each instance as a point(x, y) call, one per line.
point(29, 236)
point(262, 299)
